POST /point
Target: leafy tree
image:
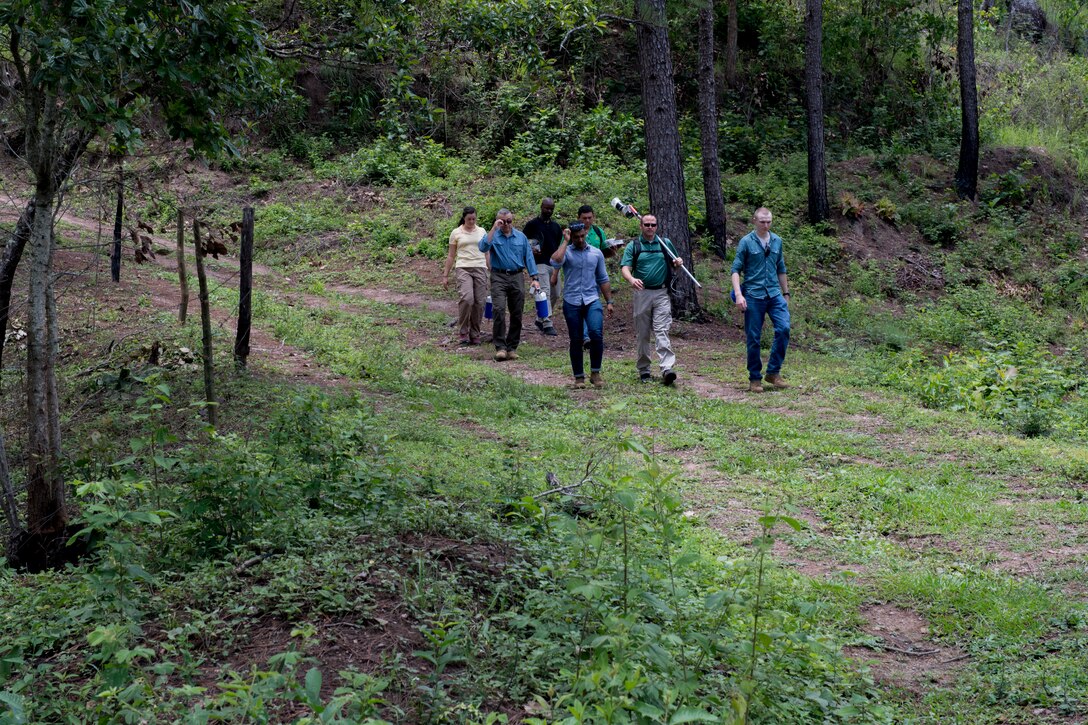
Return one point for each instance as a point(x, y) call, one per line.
point(81, 70)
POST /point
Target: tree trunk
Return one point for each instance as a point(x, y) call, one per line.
point(7, 493)
point(731, 43)
point(46, 512)
point(818, 209)
point(708, 132)
point(967, 171)
point(13, 254)
point(664, 165)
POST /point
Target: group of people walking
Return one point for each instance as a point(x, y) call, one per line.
point(496, 262)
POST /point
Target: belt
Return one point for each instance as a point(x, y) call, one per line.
point(646, 286)
point(508, 271)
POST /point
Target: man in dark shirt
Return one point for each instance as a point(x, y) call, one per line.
point(545, 235)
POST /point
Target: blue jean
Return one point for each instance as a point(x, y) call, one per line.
point(778, 310)
point(591, 318)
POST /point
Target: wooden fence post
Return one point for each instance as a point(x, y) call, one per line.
point(205, 326)
point(115, 256)
point(183, 277)
point(245, 289)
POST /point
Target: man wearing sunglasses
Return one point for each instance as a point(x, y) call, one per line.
point(511, 258)
point(648, 269)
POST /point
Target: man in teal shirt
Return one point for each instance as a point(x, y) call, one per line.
point(647, 268)
point(765, 292)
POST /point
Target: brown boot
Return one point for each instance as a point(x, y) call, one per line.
point(776, 381)
point(596, 379)
point(754, 386)
point(500, 355)
point(511, 355)
point(580, 383)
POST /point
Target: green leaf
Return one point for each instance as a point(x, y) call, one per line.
point(313, 684)
point(691, 714)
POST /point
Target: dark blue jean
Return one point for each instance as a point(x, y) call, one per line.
point(778, 310)
point(585, 317)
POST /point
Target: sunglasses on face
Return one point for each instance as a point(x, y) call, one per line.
point(648, 224)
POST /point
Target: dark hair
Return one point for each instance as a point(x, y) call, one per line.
point(585, 209)
point(465, 212)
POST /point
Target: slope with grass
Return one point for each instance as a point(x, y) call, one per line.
point(373, 533)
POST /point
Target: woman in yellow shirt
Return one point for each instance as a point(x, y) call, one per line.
point(471, 268)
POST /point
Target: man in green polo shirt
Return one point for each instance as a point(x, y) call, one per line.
point(594, 235)
point(647, 268)
point(765, 293)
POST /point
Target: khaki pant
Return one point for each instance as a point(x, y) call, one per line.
point(471, 296)
point(653, 316)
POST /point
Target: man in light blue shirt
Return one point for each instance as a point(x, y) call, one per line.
point(511, 257)
point(583, 273)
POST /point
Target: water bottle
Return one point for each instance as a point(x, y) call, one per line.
point(489, 309)
point(541, 298)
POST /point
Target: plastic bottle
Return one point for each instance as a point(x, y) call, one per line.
point(489, 309)
point(541, 298)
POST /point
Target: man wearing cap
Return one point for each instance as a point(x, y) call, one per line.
point(583, 274)
point(765, 292)
point(648, 270)
point(511, 258)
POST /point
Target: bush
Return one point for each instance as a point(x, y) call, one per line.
point(1019, 384)
point(942, 225)
point(393, 163)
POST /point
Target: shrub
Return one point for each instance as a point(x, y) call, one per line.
point(885, 209)
point(1020, 384)
point(850, 205)
point(942, 225)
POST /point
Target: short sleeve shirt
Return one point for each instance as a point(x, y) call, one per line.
point(468, 247)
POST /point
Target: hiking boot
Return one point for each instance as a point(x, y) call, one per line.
point(550, 331)
point(500, 355)
point(754, 386)
point(645, 378)
point(776, 381)
point(465, 341)
point(596, 379)
point(668, 377)
point(539, 324)
point(511, 355)
point(580, 382)
point(474, 341)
